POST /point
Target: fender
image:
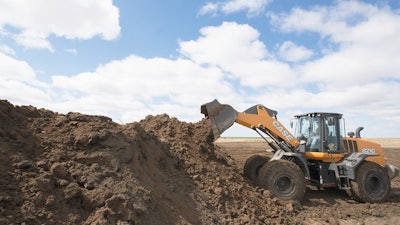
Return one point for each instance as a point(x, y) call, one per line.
point(299, 159)
point(351, 162)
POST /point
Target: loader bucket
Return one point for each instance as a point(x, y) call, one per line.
point(222, 116)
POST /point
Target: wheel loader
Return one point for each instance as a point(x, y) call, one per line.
point(317, 154)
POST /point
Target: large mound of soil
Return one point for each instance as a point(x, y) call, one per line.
point(80, 169)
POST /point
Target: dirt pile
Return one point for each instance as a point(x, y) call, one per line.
point(80, 169)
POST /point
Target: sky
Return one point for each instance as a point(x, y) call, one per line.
point(129, 59)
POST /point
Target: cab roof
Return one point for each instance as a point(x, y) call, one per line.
point(319, 114)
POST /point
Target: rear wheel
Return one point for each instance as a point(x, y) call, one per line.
point(252, 166)
point(372, 184)
point(284, 179)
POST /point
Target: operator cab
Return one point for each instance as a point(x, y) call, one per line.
point(321, 132)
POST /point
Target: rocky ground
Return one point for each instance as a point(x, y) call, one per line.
point(80, 169)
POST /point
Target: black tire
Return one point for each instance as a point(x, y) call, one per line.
point(284, 179)
point(252, 166)
point(371, 183)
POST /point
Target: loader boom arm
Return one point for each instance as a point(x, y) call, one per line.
point(257, 117)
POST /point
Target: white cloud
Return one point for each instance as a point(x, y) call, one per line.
point(347, 22)
point(152, 83)
point(11, 68)
point(7, 50)
point(354, 65)
point(39, 19)
point(226, 44)
point(23, 93)
point(18, 82)
point(209, 8)
point(291, 52)
point(72, 51)
point(253, 7)
point(333, 21)
point(365, 36)
point(242, 55)
point(33, 39)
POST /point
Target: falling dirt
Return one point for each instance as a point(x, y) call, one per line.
point(81, 169)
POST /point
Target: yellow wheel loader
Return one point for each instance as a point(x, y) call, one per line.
point(317, 154)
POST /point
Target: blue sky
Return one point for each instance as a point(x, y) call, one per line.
point(129, 59)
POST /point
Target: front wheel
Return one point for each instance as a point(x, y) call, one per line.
point(284, 179)
point(252, 166)
point(371, 183)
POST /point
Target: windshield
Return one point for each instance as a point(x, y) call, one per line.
point(305, 126)
point(319, 134)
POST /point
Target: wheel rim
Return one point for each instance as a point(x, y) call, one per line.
point(284, 184)
point(373, 184)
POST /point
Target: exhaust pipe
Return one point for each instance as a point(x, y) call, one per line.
point(358, 132)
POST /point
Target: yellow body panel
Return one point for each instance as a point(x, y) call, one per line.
point(325, 156)
point(367, 146)
point(357, 145)
point(263, 119)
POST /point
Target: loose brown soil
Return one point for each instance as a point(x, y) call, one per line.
point(81, 169)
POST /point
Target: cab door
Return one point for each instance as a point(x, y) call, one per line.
point(331, 135)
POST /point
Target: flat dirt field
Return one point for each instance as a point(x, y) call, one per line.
point(331, 206)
